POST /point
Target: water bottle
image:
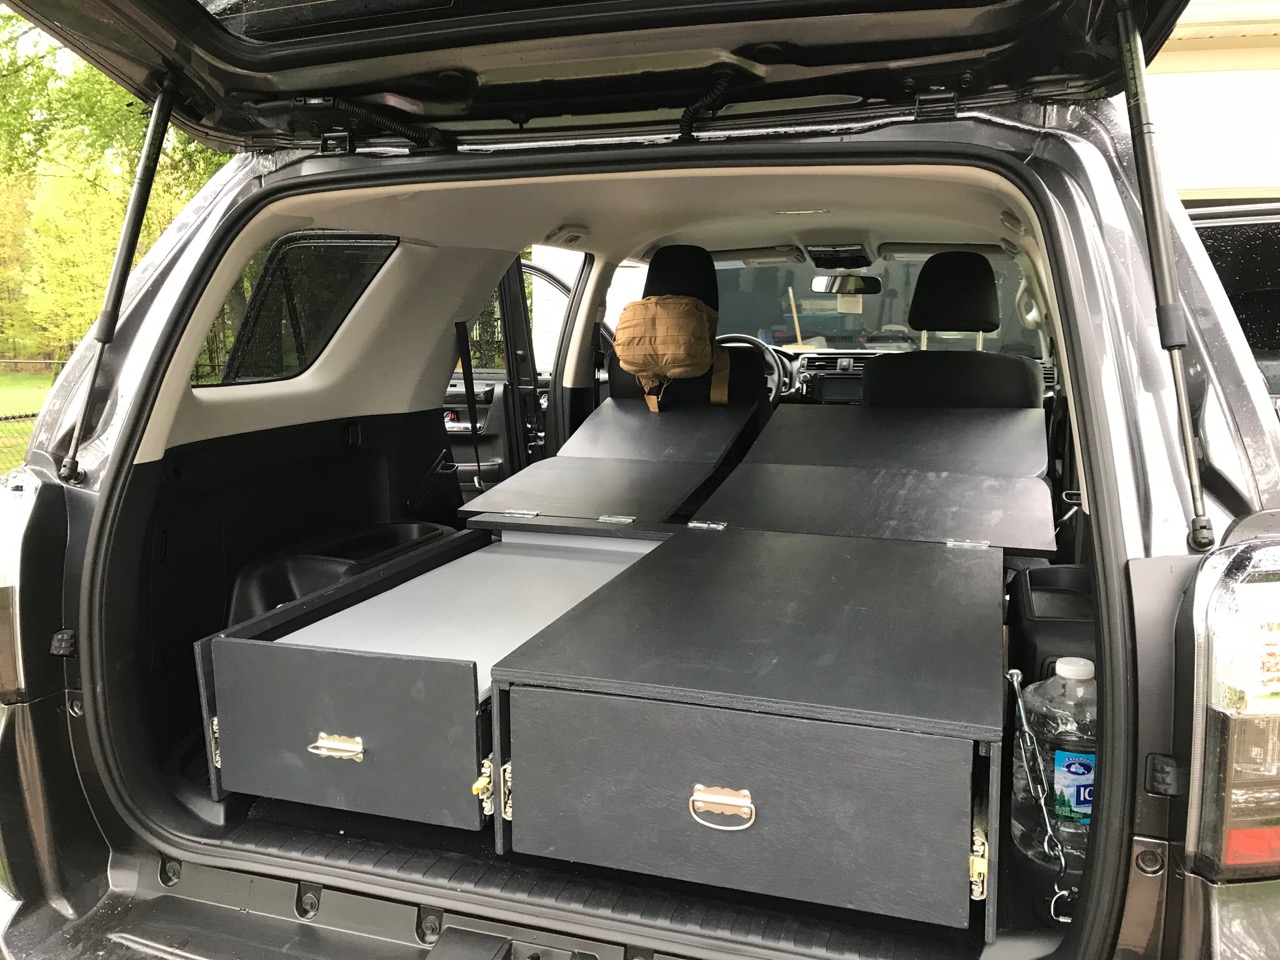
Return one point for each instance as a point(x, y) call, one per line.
point(1061, 712)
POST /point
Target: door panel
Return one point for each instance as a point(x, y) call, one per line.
point(512, 382)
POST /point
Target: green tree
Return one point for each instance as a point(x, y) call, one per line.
point(70, 139)
point(27, 74)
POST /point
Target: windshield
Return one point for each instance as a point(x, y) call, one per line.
point(778, 305)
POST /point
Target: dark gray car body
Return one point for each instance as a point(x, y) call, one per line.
point(97, 874)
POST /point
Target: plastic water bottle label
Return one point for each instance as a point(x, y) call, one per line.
point(1072, 786)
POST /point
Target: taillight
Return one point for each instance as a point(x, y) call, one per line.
point(1233, 828)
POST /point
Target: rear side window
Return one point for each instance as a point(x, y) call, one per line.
point(1247, 258)
point(287, 305)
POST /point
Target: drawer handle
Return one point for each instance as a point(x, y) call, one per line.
point(339, 748)
point(735, 803)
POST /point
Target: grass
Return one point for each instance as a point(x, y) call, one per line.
point(23, 392)
point(19, 393)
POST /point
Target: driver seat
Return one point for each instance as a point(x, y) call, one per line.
point(688, 271)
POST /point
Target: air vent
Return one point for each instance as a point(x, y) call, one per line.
point(833, 364)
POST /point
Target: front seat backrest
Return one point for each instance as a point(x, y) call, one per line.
point(956, 291)
point(689, 271)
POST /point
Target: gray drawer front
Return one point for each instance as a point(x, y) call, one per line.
point(415, 715)
point(874, 820)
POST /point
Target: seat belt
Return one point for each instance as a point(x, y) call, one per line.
point(469, 384)
point(720, 377)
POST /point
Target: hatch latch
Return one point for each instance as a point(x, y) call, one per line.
point(978, 866)
point(937, 105)
point(483, 787)
point(504, 789)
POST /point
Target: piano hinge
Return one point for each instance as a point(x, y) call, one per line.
point(504, 790)
point(706, 524)
point(968, 544)
point(978, 866)
point(483, 787)
point(520, 514)
point(216, 741)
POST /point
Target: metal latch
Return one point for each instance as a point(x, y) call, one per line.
point(337, 141)
point(978, 867)
point(64, 644)
point(483, 787)
point(217, 744)
point(937, 105)
point(504, 788)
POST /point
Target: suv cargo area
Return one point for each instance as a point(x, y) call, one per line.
point(736, 670)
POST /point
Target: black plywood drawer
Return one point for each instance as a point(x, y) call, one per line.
point(870, 819)
point(415, 717)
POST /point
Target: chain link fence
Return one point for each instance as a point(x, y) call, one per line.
point(23, 387)
point(15, 432)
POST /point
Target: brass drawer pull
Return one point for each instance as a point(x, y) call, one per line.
point(735, 803)
point(339, 748)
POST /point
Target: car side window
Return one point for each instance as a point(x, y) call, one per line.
point(287, 304)
point(549, 274)
point(1247, 258)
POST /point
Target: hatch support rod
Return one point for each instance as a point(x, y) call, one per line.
point(1171, 319)
point(104, 328)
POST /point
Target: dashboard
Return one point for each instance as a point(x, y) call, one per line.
point(835, 376)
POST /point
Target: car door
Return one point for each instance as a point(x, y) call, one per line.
point(1244, 244)
point(513, 345)
point(339, 74)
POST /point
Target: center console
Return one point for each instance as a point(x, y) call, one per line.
point(832, 377)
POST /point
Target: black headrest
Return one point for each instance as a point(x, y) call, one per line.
point(683, 271)
point(956, 290)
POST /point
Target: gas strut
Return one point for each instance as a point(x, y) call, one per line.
point(1170, 317)
point(104, 328)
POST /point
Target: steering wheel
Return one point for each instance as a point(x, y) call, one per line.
point(775, 375)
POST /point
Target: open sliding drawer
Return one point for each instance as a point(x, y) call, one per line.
point(373, 696)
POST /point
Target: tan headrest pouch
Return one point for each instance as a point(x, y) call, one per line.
point(659, 339)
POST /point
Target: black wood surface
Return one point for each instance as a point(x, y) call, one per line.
point(992, 443)
point(590, 487)
point(1015, 513)
point(627, 430)
point(886, 633)
point(875, 820)
point(416, 715)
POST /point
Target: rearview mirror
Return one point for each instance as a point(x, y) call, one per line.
point(846, 284)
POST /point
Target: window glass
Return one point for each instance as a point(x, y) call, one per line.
point(1247, 258)
point(287, 305)
point(547, 300)
point(778, 305)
